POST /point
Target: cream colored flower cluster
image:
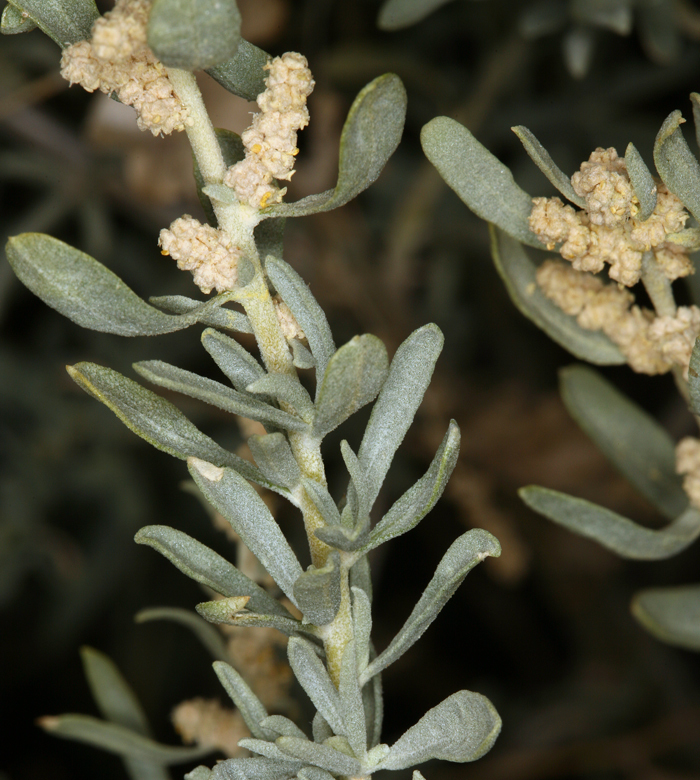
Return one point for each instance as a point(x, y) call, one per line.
point(271, 140)
point(688, 463)
point(290, 327)
point(608, 231)
point(117, 59)
point(209, 253)
point(652, 345)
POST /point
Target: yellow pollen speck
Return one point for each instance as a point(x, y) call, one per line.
point(264, 199)
point(295, 152)
point(256, 149)
point(164, 252)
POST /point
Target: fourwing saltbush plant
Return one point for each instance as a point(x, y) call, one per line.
point(144, 53)
point(637, 228)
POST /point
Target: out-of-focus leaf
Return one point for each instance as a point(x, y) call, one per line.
point(635, 443)
point(15, 21)
point(418, 500)
point(396, 14)
point(318, 592)
point(87, 292)
point(241, 505)
point(353, 377)
point(611, 530)
point(671, 614)
point(462, 556)
point(518, 273)
point(207, 635)
point(461, 728)
point(306, 311)
point(255, 768)
point(577, 48)
point(215, 317)
point(251, 708)
point(323, 756)
point(676, 164)
point(274, 457)
point(401, 395)
point(689, 239)
point(64, 21)
point(194, 34)
point(542, 159)
point(118, 739)
point(243, 74)
point(642, 180)
point(480, 179)
point(216, 394)
point(614, 15)
point(370, 135)
point(659, 30)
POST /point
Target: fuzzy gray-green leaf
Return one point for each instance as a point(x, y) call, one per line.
point(317, 592)
point(285, 389)
point(397, 14)
point(207, 567)
point(676, 164)
point(401, 395)
point(462, 556)
point(274, 458)
point(251, 708)
point(642, 180)
point(611, 530)
point(351, 700)
point(694, 378)
point(241, 368)
point(283, 726)
point(216, 394)
point(65, 21)
point(314, 773)
point(632, 439)
point(240, 504)
point(15, 22)
point(362, 626)
point(232, 150)
point(371, 133)
point(461, 728)
point(264, 748)
point(215, 317)
point(207, 634)
point(479, 178)
point(243, 74)
point(255, 768)
point(215, 612)
point(87, 292)
point(315, 680)
point(194, 34)
point(323, 501)
point(518, 273)
point(671, 614)
point(322, 756)
point(296, 294)
point(541, 157)
point(418, 500)
point(359, 488)
point(352, 379)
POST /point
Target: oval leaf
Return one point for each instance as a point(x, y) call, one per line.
point(642, 180)
point(65, 21)
point(322, 756)
point(671, 614)
point(318, 592)
point(676, 164)
point(15, 22)
point(243, 74)
point(396, 14)
point(207, 635)
point(251, 708)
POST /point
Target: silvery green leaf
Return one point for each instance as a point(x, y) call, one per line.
point(194, 34)
point(361, 576)
point(157, 420)
point(320, 729)
point(264, 748)
point(87, 292)
point(377, 755)
point(577, 47)
point(611, 530)
point(461, 728)
point(671, 614)
point(373, 701)
point(240, 504)
point(689, 239)
point(322, 756)
point(695, 100)
point(118, 739)
point(400, 396)
point(314, 773)
point(286, 389)
point(358, 490)
point(629, 437)
point(315, 680)
point(15, 22)
point(301, 356)
point(216, 394)
point(222, 194)
point(274, 457)
point(371, 133)
point(208, 568)
point(241, 368)
point(251, 708)
point(343, 539)
point(659, 30)
point(243, 74)
point(232, 150)
point(362, 626)
point(642, 181)
point(207, 635)
point(305, 309)
point(322, 500)
point(518, 273)
point(614, 15)
point(226, 611)
point(480, 180)
point(351, 701)
point(64, 21)
point(542, 159)
point(418, 500)
point(199, 773)
point(217, 317)
point(283, 726)
point(255, 769)
point(694, 378)
point(462, 556)
point(676, 164)
point(317, 592)
point(352, 379)
point(396, 14)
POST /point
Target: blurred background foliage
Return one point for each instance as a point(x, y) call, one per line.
point(544, 631)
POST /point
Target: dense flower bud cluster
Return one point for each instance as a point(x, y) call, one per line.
point(290, 327)
point(271, 140)
point(209, 253)
point(118, 59)
point(688, 463)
